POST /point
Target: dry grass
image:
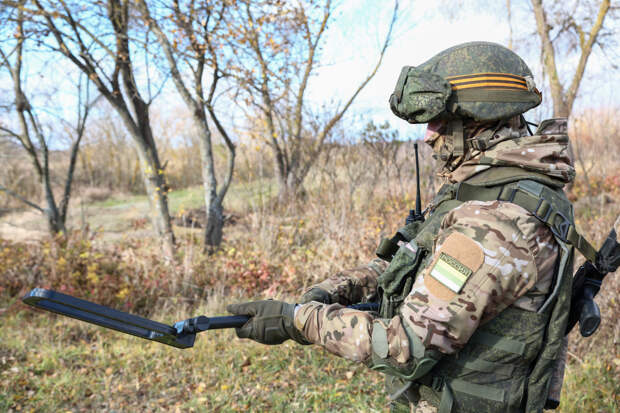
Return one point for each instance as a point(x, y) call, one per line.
point(267, 252)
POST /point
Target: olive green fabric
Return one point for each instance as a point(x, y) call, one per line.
point(316, 294)
point(419, 95)
point(549, 205)
point(431, 91)
point(488, 375)
point(387, 249)
point(395, 284)
point(422, 362)
point(271, 321)
point(397, 280)
point(507, 364)
point(499, 175)
point(541, 374)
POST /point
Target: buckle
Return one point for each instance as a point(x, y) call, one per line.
point(549, 210)
point(437, 383)
point(478, 145)
point(562, 229)
point(511, 198)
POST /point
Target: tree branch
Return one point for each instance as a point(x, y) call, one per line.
point(81, 127)
point(323, 134)
point(586, 50)
point(21, 198)
point(548, 53)
point(167, 48)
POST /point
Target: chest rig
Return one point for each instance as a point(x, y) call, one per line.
point(508, 362)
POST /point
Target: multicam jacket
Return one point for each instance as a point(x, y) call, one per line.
point(486, 257)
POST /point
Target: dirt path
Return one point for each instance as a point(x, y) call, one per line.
point(113, 222)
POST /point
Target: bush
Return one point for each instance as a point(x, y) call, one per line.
point(95, 194)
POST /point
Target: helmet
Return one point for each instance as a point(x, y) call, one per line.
point(478, 80)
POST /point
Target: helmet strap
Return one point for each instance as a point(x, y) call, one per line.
point(457, 137)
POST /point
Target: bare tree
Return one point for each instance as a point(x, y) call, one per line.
point(568, 31)
point(509, 17)
point(95, 37)
point(278, 51)
point(30, 132)
point(560, 24)
point(191, 37)
point(382, 143)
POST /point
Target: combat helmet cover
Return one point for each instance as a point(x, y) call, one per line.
point(479, 80)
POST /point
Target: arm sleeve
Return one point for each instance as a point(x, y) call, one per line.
point(354, 285)
point(482, 263)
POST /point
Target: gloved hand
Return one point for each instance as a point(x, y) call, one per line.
point(316, 294)
point(271, 322)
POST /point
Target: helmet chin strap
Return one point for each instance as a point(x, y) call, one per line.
point(453, 146)
point(457, 137)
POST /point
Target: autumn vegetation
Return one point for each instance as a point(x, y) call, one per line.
point(268, 251)
point(237, 187)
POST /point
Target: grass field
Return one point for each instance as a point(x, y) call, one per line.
point(50, 363)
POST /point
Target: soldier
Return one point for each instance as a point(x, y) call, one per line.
point(473, 300)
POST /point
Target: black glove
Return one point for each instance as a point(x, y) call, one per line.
point(316, 294)
point(271, 322)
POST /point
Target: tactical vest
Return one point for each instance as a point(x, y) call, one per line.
point(508, 362)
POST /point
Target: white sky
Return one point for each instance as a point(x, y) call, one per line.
point(425, 29)
point(351, 48)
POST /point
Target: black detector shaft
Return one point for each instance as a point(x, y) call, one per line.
point(181, 334)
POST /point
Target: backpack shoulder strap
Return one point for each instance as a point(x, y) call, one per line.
point(546, 204)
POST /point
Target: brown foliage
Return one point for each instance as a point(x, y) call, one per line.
point(275, 250)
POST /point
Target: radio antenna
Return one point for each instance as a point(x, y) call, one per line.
point(416, 215)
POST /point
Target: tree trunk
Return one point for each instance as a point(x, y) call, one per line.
point(213, 204)
point(560, 108)
point(284, 192)
point(563, 99)
point(157, 192)
point(290, 186)
point(55, 223)
point(214, 225)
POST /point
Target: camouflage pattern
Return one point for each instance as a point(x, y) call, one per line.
point(439, 138)
point(482, 57)
point(476, 57)
point(422, 93)
point(519, 254)
point(502, 294)
point(546, 153)
point(514, 244)
point(352, 286)
point(555, 388)
point(419, 95)
point(421, 407)
point(517, 273)
point(341, 331)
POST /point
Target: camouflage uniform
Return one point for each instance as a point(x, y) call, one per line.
point(510, 256)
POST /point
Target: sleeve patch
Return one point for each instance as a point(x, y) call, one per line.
point(450, 272)
point(458, 258)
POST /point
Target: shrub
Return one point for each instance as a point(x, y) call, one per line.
point(95, 194)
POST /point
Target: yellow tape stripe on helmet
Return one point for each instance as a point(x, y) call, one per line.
point(486, 79)
point(501, 85)
point(506, 76)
